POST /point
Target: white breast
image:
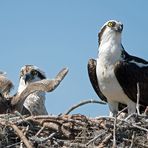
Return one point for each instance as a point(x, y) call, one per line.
point(108, 83)
point(35, 103)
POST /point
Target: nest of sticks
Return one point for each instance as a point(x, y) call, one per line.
point(72, 131)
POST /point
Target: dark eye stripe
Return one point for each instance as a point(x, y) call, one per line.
point(100, 34)
point(34, 72)
point(41, 76)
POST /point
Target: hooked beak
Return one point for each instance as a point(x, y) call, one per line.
point(28, 77)
point(119, 28)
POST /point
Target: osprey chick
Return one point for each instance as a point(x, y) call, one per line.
point(35, 102)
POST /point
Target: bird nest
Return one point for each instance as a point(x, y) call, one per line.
point(72, 131)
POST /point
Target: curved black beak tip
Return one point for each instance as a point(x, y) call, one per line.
point(120, 28)
point(27, 78)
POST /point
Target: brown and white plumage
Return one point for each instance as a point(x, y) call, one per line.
point(35, 103)
point(115, 73)
point(5, 84)
point(45, 85)
point(92, 63)
point(15, 102)
point(5, 87)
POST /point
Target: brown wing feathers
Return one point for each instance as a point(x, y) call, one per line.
point(128, 75)
point(93, 78)
point(16, 102)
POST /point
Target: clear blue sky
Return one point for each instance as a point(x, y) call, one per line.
point(53, 34)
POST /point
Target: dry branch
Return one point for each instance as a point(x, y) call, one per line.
point(83, 103)
point(138, 98)
point(21, 135)
point(114, 133)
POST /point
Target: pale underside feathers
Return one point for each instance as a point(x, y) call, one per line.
point(35, 102)
point(114, 74)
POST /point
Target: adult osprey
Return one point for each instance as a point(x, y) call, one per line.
point(115, 74)
point(35, 102)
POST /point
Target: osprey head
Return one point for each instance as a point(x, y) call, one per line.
point(31, 73)
point(112, 29)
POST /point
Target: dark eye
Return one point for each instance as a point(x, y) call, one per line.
point(111, 24)
point(34, 72)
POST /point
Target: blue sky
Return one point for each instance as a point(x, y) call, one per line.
point(56, 34)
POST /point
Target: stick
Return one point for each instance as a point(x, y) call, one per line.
point(83, 103)
point(21, 135)
point(40, 131)
point(95, 138)
point(42, 140)
point(122, 111)
point(114, 133)
point(134, 125)
point(105, 141)
point(138, 98)
point(25, 132)
point(132, 141)
point(129, 116)
point(12, 145)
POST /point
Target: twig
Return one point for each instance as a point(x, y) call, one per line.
point(41, 118)
point(25, 132)
point(122, 111)
point(138, 98)
point(40, 131)
point(83, 103)
point(42, 140)
point(21, 135)
point(13, 145)
point(114, 133)
point(129, 116)
point(102, 144)
point(132, 141)
point(95, 138)
point(139, 127)
point(134, 125)
point(73, 145)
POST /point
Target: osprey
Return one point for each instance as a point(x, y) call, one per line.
point(5, 87)
point(15, 102)
point(115, 73)
point(35, 102)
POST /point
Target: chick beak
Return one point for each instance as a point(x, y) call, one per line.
point(28, 78)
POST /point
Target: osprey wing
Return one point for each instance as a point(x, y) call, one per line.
point(93, 78)
point(128, 74)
